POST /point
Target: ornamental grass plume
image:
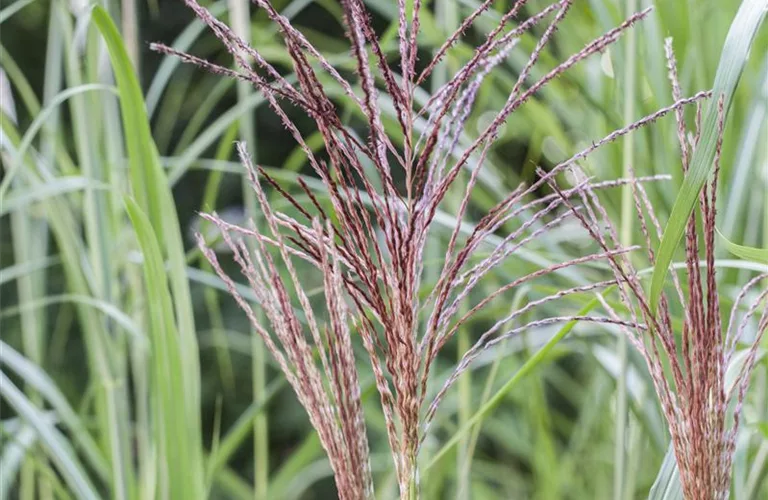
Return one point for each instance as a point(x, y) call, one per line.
point(365, 233)
point(688, 362)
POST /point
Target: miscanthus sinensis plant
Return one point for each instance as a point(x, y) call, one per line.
point(688, 362)
point(366, 234)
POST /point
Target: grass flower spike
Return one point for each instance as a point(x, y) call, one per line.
point(366, 231)
point(689, 362)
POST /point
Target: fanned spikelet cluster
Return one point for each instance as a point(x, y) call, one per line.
point(695, 394)
point(369, 245)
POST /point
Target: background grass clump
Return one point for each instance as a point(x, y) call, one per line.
point(121, 346)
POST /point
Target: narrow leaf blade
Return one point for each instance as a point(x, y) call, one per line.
point(732, 61)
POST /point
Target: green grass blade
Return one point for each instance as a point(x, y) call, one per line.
point(109, 311)
point(202, 115)
point(732, 61)
point(162, 76)
point(753, 254)
point(240, 431)
point(234, 486)
point(532, 363)
point(53, 442)
point(154, 197)
point(11, 273)
point(22, 86)
point(7, 12)
point(627, 218)
point(210, 197)
point(62, 185)
point(750, 151)
point(667, 485)
point(38, 123)
point(101, 355)
point(37, 379)
point(304, 454)
point(177, 430)
point(30, 244)
point(13, 455)
point(138, 139)
point(211, 133)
